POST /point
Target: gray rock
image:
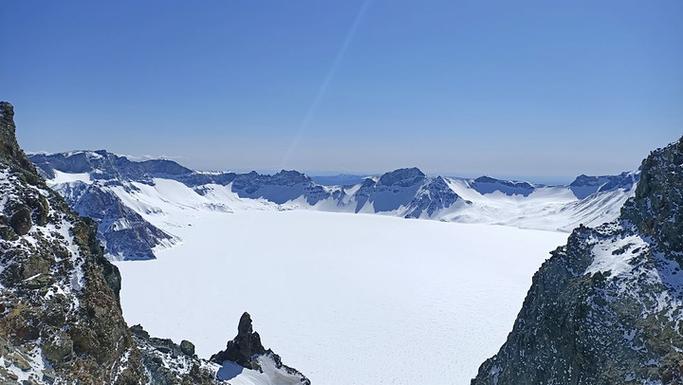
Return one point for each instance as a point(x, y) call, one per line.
point(187, 347)
point(20, 221)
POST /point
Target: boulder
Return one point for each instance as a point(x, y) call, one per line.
point(57, 347)
point(187, 348)
point(20, 221)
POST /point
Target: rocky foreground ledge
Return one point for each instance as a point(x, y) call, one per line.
point(60, 313)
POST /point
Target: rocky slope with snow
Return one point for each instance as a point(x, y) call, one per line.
point(60, 313)
point(129, 200)
point(121, 230)
point(607, 308)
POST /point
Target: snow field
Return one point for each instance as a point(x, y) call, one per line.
point(344, 298)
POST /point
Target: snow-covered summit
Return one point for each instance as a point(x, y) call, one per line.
point(487, 185)
point(585, 185)
point(104, 165)
point(403, 177)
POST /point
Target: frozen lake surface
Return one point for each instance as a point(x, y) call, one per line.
point(347, 299)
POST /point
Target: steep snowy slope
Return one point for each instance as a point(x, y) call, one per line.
point(130, 200)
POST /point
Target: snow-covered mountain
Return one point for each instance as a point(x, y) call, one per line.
point(137, 204)
point(584, 185)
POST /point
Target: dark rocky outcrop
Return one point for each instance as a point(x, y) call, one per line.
point(402, 177)
point(607, 307)
point(187, 348)
point(244, 347)
point(10, 152)
point(247, 351)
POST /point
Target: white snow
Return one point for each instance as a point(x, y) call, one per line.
point(171, 205)
point(65, 177)
point(614, 255)
point(547, 208)
point(269, 374)
point(34, 358)
point(344, 298)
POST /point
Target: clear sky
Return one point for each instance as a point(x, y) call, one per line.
point(506, 88)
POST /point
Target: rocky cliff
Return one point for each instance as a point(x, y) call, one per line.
point(60, 316)
point(607, 308)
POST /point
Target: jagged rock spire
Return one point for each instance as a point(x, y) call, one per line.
point(243, 347)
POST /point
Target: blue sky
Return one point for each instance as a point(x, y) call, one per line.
point(529, 88)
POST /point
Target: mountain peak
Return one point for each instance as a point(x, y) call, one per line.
point(291, 174)
point(402, 177)
point(8, 139)
point(9, 148)
point(657, 207)
point(486, 185)
point(245, 327)
point(585, 185)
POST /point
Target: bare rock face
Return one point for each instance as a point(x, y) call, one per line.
point(10, 151)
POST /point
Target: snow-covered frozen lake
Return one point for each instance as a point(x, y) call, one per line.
point(347, 299)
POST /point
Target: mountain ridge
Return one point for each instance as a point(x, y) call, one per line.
point(46, 162)
point(406, 192)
